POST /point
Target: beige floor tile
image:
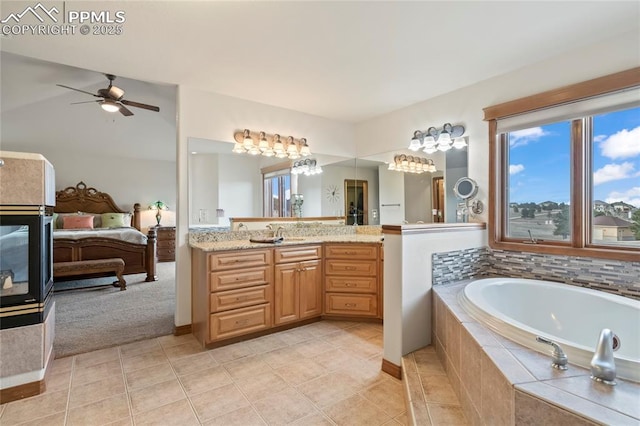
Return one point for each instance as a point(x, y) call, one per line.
point(365, 331)
point(387, 395)
point(437, 389)
point(403, 419)
point(32, 408)
point(262, 385)
point(339, 338)
point(446, 415)
point(301, 371)
point(247, 367)
point(329, 389)
point(282, 357)
point(284, 407)
point(335, 359)
point(82, 376)
point(377, 340)
point(356, 410)
point(392, 422)
point(232, 352)
point(266, 344)
point(62, 364)
point(59, 381)
point(138, 348)
point(322, 328)
point(216, 402)
point(365, 372)
point(245, 416)
point(317, 419)
point(127, 421)
point(144, 360)
point(57, 419)
point(314, 347)
point(96, 357)
point(185, 349)
point(205, 380)
point(362, 349)
point(178, 413)
point(144, 399)
point(101, 412)
point(296, 335)
point(144, 377)
point(428, 364)
point(171, 340)
point(194, 363)
point(96, 391)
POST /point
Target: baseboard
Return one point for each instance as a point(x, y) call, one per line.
point(392, 369)
point(179, 330)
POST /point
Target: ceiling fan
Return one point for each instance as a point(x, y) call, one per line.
point(111, 99)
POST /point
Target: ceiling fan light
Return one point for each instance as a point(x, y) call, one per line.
point(110, 106)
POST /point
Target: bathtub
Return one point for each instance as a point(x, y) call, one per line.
point(521, 309)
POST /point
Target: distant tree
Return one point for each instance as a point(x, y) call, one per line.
point(596, 214)
point(635, 226)
point(527, 213)
point(515, 209)
point(561, 221)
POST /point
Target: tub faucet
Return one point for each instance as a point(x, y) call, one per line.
point(278, 233)
point(603, 366)
point(558, 357)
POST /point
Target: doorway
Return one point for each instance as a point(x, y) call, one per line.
point(356, 201)
point(437, 200)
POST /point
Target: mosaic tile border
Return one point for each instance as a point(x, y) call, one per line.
point(617, 277)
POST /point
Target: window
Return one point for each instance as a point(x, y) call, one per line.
point(277, 193)
point(565, 170)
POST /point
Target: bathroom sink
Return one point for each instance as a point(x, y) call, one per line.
point(295, 239)
point(266, 240)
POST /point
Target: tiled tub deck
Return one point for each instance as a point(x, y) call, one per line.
point(499, 382)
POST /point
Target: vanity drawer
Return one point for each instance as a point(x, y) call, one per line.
point(351, 285)
point(239, 259)
point(349, 267)
point(351, 251)
point(297, 253)
point(246, 277)
point(351, 304)
point(233, 299)
point(239, 321)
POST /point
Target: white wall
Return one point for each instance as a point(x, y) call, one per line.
point(203, 187)
point(464, 106)
point(239, 187)
point(391, 195)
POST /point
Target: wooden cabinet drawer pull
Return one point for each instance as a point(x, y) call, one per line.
point(350, 253)
point(350, 268)
point(350, 284)
point(242, 322)
point(349, 305)
point(240, 298)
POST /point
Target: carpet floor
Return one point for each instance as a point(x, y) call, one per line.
point(100, 317)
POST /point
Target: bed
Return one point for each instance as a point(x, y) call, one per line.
point(127, 242)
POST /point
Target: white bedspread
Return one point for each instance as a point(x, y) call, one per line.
point(131, 235)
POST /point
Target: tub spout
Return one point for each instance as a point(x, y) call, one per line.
point(603, 366)
point(558, 357)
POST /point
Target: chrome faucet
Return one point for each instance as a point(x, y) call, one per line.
point(242, 225)
point(278, 233)
point(558, 357)
point(603, 366)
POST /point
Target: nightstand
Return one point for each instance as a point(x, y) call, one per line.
point(166, 248)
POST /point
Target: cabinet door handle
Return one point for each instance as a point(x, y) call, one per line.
point(350, 284)
point(350, 253)
point(350, 268)
point(240, 298)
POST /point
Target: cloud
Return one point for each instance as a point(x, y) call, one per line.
point(613, 172)
point(523, 137)
point(515, 168)
point(599, 138)
point(623, 144)
point(630, 196)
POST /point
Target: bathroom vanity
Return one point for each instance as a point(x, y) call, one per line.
point(242, 289)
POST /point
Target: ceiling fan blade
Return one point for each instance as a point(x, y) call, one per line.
point(139, 105)
point(124, 111)
point(84, 102)
point(78, 90)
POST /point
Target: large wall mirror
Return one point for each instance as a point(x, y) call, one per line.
point(356, 202)
point(223, 185)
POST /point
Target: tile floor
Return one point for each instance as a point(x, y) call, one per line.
point(323, 373)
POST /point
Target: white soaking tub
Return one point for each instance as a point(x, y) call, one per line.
point(521, 309)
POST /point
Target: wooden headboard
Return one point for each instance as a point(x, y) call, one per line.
point(89, 200)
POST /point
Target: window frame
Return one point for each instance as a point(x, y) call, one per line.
point(276, 171)
point(581, 170)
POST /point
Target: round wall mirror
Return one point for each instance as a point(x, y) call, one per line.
point(465, 188)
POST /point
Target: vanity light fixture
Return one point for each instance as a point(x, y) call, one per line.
point(269, 146)
point(412, 164)
point(434, 139)
point(307, 167)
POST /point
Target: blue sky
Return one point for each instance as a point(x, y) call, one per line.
point(539, 160)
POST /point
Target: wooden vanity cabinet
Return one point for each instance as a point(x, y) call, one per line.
point(238, 295)
point(352, 284)
point(297, 283)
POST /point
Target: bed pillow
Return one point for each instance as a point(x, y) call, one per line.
point(60, 219)
point(116, 220)
point(78, 222)
point(55, 221)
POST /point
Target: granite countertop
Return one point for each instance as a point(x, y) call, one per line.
point(288, 241)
